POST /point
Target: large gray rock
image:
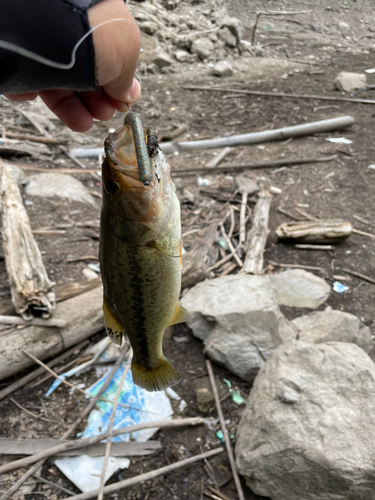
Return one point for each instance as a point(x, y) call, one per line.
point(238, 318)
point(203, 47)
point(330, 325)
point(347, 81)
point(62, 185)
point(308, 431)
point(226, 35)
point(18, 174)
point(299, 288)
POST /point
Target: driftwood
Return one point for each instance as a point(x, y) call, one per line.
point(30, 285)
point(83, 316)
point(10, 446)
point(195, 263)
point(258, 235)
point(315, 231)
point(62, 292)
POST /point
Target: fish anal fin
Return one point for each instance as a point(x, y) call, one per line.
point(180, 315)
point(156, 378)
point(113, 328)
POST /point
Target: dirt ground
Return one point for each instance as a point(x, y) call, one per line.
point(301, 55)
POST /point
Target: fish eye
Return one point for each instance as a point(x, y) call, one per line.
point(112, 187)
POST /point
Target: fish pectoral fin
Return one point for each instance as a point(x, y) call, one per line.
point(163, 249)
point(180, 315)
point(113, 328)
point(155, 378)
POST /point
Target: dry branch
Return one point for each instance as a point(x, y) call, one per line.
point(28, 278)
point(17, 320)
point(224, 431)
point(10, 446)
point(258, 235)
point(83, 316)
point(315, 231)
point(281, 94)
point(80, 443)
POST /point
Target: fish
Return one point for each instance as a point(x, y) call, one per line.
point(140, 252)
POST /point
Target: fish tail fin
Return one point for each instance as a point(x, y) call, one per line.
point(156, 378)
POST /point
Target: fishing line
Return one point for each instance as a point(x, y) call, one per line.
point(48, 62)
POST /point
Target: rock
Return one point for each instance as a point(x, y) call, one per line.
point(299, 288)
point(204, 395)
point(152, 69)
point(62, 185)
point(162, 59)
point(245, 185)
point(238, 318)
point(203, 47)
point(234, 25)
point(182, 55)
point(308, 431)
point(344, 27)
point(148, 27)
point(222, 68)
point(347, 82)
point(330, 325)
point(226, 35)
point(18, 174)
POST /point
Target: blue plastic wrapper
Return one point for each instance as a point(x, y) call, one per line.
point(135, 406)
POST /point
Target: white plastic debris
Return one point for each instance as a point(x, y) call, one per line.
point(340, 287)
point(85, 471)
point(371, 70)
point(339, 140)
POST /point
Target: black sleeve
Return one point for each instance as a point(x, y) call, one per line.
point(49, 28)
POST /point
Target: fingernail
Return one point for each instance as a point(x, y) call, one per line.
point(134, 92)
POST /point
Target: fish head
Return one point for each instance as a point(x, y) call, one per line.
point(134, 211)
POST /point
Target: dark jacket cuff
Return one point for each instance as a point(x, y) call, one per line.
point(51, 29)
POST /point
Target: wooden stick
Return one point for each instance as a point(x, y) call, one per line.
point(80, 443)
point(362, 233)
point(282, 94)
point(224, 431)
point(296, 266)
point(33, 138)
point(218, 493)
point(110, 432)
point(49, 370)
point(258, 235)
point(359, 275)
point(273, 13)
point(147, 475)
point(214, 162)
point(28, 278)
point(231, 247)
point(302, 246)
point(72, 428)
point(39, 371)
point(228, 167)
point(17, 320)
point(29, 412)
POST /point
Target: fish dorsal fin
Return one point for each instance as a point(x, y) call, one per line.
point(180, 315)
point(113, 328)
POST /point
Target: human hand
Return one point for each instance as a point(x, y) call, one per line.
point(117, 47)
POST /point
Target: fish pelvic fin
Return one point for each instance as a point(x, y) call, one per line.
point(113, 328)
point(180, 315)
point(157, 378)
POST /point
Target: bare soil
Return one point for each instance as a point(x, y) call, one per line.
point(342, 188)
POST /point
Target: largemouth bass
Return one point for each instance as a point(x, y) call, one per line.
point(140, 255)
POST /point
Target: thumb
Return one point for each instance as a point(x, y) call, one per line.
point(120, 92)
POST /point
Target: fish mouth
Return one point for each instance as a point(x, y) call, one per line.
point(131, 149)
point(120, 150)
